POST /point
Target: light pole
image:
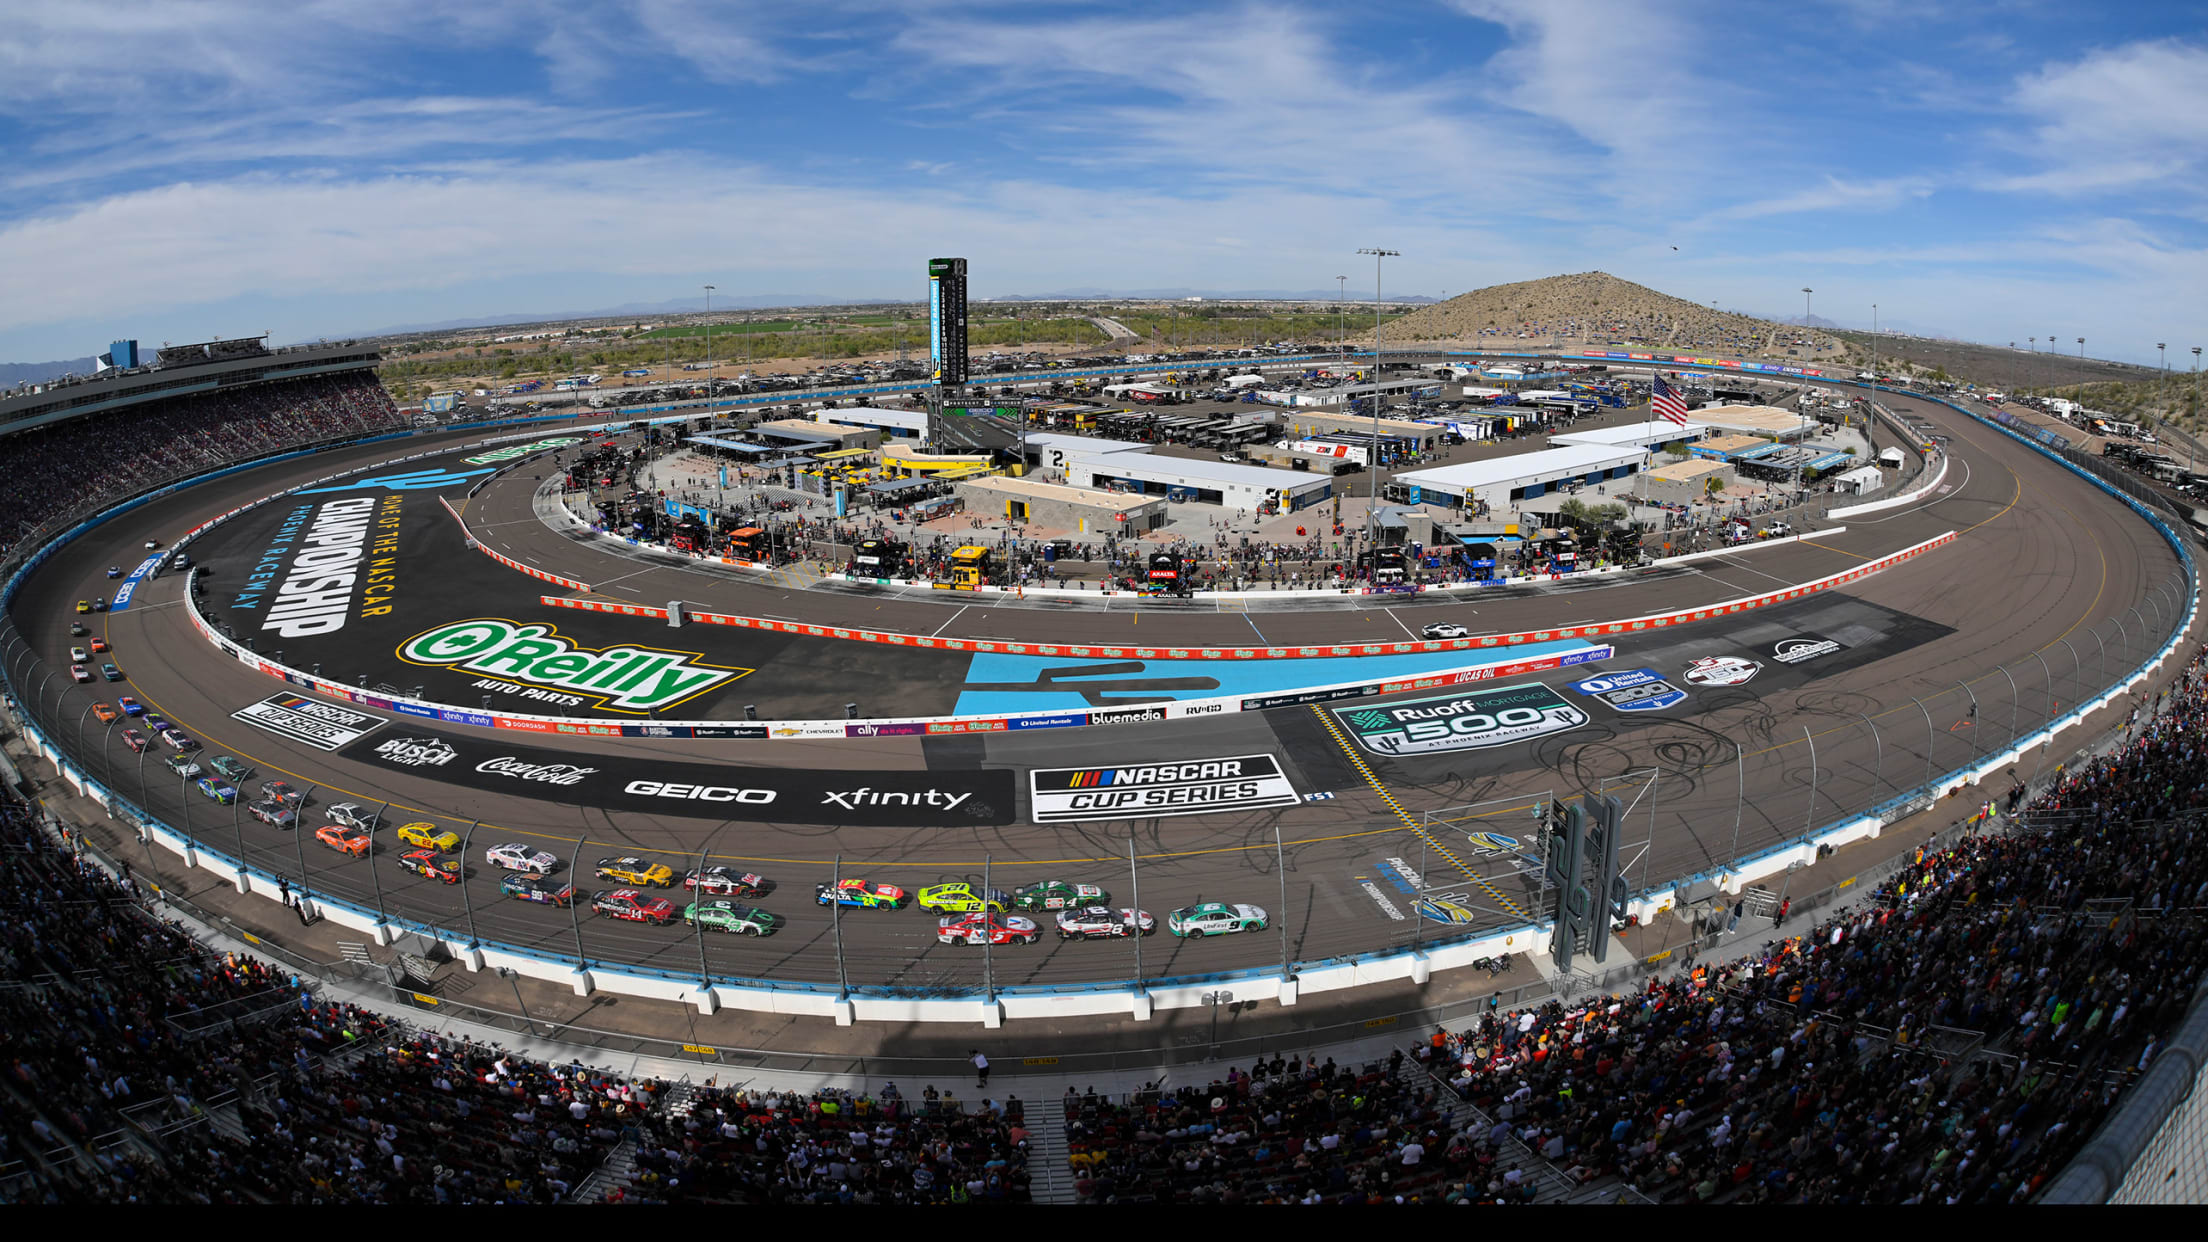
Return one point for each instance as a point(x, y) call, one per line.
point(1372, 495)
point(2162, 348)
point(2196, 359)
point(1806, 330)
point(1874, 350)
point(2081, 349)
point(1341, 354)
point(709, 349)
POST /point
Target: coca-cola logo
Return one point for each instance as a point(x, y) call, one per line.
point(548, 773)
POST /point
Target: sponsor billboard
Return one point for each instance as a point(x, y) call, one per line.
point(1633, 690)
point(1144, 790)
point(865, 799)
point(320, 725)
point(1472, 720)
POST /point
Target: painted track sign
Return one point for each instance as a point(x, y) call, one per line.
point(1472, 720)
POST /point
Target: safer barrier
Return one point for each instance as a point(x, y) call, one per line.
point(509, 562)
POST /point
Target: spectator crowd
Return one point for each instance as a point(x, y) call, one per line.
point(67, 466)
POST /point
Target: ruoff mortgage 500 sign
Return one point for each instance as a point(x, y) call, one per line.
point(1469, 721)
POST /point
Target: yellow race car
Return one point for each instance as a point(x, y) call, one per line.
point(429, 836)
point(636, 871)
point(964, 899)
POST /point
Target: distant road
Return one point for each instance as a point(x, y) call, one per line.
point(1115, 329)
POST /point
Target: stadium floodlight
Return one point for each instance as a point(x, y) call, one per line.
point(1372, 493)
point(709, 347)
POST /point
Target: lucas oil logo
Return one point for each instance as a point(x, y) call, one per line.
point(630, 679)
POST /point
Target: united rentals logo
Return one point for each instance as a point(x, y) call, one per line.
point(1633, 690)
point(417, 752)
point(1471, 721)
point(631, 679)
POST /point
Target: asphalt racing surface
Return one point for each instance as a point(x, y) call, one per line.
point(1723, 736)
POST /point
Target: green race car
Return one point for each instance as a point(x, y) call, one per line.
point(1059, 895)
point(231, 767)
point(1214, 918)
point(729, 917)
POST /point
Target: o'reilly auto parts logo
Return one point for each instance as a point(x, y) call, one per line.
point(1803, 647)
point(1721, 671)
point(1633, 690)
point(1470, 721)
point(631, 679)
point(417, 752)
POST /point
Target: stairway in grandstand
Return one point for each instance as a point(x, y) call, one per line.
point(1554, 1186)
point(1050, 1178)
point(620, 1163)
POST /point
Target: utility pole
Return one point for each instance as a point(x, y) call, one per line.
point(709, 349)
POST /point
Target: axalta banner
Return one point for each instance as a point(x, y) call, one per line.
point(882, 799)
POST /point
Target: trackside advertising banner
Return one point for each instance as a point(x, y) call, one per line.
point(899, 799)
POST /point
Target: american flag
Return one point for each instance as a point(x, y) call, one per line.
point(1665, 402)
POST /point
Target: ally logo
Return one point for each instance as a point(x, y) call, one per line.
point(628, 679)
point(414, 481)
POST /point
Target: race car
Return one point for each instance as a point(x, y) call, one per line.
point(344, 838)
point(1058, 895)
point(111, 672)
point(993, 928)
point(729, 917)
point(77, 655)
point(99, 605)
point(1445, 629)
point(181, 764)
point(131, 706)
point(114, 571)
point(99, 646)
point(1442, 910)
point(231, 766)
point(281, 791)
point(105, 714)
point(178, 740)
point(216, 790)
point(632, 906)
point(84, 606)
point(859, 893)
point(276, 815)
point(514, 856)
point(157, 724)
point(632, 870)
point(80, 674)
point(429, 837)
point(721, 882)
point(963, 899)
point(538, 889)
point(1103, 923)
point(134, 739)
point(430, 863)
point(77, 630)
point(342, 813)
point(1214, 918)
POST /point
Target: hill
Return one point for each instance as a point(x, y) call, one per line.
point(1596, 309)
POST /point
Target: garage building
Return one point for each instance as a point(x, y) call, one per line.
point(1235, 486)
point(1056, 507)
point(1501, 482)
point(1684, 482)
point(1652, 434)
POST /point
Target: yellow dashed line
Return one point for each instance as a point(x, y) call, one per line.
point(1416, 828)
point(1811, 543)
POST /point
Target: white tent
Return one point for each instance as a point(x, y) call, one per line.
point(1860, 480)
point(1890, 457)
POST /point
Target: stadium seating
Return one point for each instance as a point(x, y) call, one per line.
point(63, 467)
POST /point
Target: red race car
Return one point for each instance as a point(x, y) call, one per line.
point(432, 864)
point(633, 906)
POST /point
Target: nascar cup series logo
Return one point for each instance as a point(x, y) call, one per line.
point(635, 679)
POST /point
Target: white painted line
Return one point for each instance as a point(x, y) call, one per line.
point(1399, 623)
point(954, 616)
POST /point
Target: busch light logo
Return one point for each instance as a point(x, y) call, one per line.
point(417, 752)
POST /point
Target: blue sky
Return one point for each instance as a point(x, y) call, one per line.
point(1996, 170)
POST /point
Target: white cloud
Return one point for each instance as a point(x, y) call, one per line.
point(1833, 194)
point(2129, 115)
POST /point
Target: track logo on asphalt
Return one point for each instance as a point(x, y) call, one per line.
point(1721, 671)
point(1140, 791)
point(1633, 690)
point(1470, 721)
point(1802, 648)
point(624, 679)
point(319, 725)
point(416, 752)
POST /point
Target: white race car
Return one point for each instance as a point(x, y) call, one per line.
point(1101, 922)
point(517, 857)
point(1446, 629)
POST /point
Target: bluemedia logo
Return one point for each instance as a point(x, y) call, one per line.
point(419, 480)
